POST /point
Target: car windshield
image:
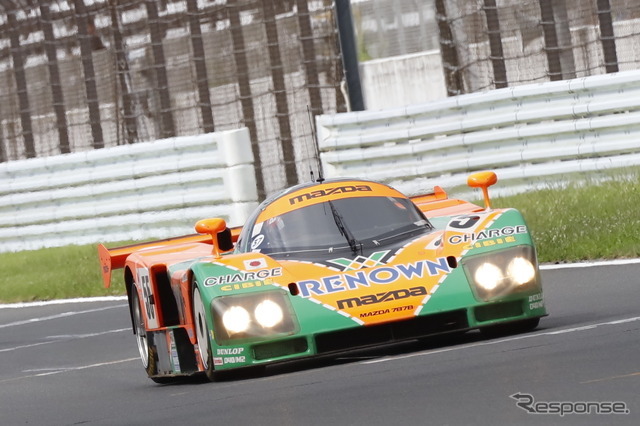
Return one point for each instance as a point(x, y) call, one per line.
point(349, 223)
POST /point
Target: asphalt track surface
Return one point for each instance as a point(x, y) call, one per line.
point(77, 364)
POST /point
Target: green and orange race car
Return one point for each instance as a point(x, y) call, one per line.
point(326, 267)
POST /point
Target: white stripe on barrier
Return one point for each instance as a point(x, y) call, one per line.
point(558, 130)
point(147, 190)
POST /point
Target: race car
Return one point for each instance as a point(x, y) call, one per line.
point(325, 267)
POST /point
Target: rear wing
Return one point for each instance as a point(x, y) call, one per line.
point(115, 258)
point(437, 203)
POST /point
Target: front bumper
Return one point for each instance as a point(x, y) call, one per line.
point(334, 341)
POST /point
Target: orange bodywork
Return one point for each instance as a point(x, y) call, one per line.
point(438, 204)
point(115, 258)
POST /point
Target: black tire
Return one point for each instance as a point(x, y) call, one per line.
point(146, 348)
point(202, 335)
point(515, 327)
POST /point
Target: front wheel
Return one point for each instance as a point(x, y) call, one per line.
point(202, 334)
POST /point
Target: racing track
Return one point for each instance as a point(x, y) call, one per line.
point(77, 363)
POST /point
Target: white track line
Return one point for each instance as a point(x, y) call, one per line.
point(590, 264)
point(62, 302)
point(508, 339)
point(49, 372)
point(57, 339)
point(56, 316)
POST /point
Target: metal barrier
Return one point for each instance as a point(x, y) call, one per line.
point(133, 192)
point(533, 136)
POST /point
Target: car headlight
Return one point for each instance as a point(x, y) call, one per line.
point(521, 270)
point(236, 319)
point(252, 315)
point(488, 276)
point(268, 314)
point(501, 273)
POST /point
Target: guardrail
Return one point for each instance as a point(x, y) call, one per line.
point(533, 136)
point(134, 192)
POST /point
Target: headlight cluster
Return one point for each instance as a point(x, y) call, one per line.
point(502, 273)
point(252, 315)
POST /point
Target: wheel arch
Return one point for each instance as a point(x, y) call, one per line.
point(128, 283)
point(193, 283)
point(191, 278)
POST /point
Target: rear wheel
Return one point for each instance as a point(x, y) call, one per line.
point(141, 331)
point(202, 334)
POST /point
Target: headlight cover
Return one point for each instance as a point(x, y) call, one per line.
point(502, 273)
point(244, 317)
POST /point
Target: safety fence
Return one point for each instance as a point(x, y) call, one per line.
point(78, 75)
point(135, 192)
point(534, 136)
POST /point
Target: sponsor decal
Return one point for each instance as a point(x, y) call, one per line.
point(257, 228)
point(360, 262)
point(388, 296)
point(434, 244)
point(471, 238)
point(367, 277)
point(229, 351)
point(387, 311)
point(329, 191)
point(536, 301)
point(244, 285)
point(240, 277)
point(489, 243)
point(235, 357)
point(375, 313)
point(258, 263)
point(175, 358)
point(256, 242)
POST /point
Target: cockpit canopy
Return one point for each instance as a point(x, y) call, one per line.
point(358, 222)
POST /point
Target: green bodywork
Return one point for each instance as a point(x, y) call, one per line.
point(454, 297)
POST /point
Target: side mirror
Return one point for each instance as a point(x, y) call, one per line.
point(213, 227)
point(483, 180)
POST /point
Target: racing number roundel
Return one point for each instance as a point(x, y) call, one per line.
point(464, 222)
point(147, 298)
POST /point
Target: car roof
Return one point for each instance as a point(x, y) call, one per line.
point(310, 193)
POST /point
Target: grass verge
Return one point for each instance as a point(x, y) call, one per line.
point(582, 223)
point(568, 225)
point(54, 273)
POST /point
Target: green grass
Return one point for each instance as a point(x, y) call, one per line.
point(582, 223)
point(568, 225)
point(54, 273)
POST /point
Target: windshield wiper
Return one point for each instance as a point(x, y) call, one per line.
point(353, 244)
point(395, 234)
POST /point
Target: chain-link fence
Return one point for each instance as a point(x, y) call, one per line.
point(386, 28)
point(79, 74)
point(85, 74)
point(487, 44)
